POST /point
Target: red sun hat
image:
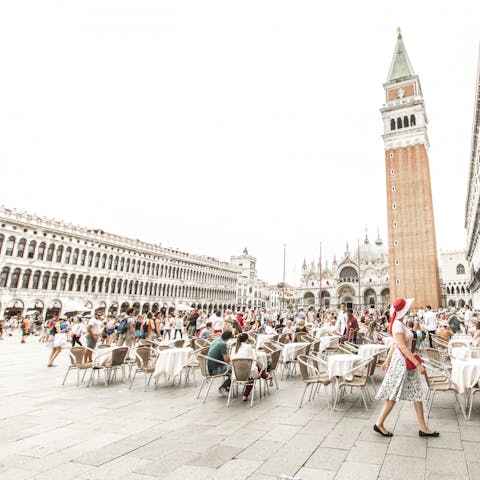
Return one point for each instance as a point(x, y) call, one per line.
point(399, 309)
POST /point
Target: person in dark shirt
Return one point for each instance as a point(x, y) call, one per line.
point(352, 327)
point(218, 351)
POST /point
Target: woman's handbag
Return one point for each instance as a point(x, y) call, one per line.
point(410, 364)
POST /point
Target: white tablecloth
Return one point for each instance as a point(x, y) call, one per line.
point(262, 338)
point(387, 341)
point(460, 353)
point(320, 332)
point(340, 364)
point(465, 373)
point(289, 351)
point(102, 356)
point(171, 362)
point(326, 341)
point(466, 340)
point(367, 350)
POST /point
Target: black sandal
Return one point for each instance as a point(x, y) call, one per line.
point(424, 434)
point(377, 429)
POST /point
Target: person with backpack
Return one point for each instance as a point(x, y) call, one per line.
point(126, 329)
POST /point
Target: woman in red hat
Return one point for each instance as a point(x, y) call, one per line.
point(399, 382)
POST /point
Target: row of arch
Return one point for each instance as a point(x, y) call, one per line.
point(396, 124)
point(47, 280)
point(69, 256)
point(456, 290)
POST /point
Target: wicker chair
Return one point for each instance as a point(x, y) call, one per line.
point(207, 377)
point(301, 337)
point(440, 386)
point(117, 362)
point(143, 357)
point(179, 343)
point(357, 377)
point(77, 363)
point(308, 365)
point(473, 391)
point(242, 368)
point(289, 364)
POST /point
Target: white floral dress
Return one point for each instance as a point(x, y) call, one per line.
point(400, 383)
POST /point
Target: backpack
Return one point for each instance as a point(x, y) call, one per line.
point(123, 326)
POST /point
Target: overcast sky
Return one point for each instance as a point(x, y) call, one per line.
point(211, 126)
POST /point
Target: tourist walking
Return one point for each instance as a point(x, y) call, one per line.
point(77, 330)
point(25, 325)
point(430, 324)
point(400, 383)
point(94, 328)
point(59, 333)
point(126, 329)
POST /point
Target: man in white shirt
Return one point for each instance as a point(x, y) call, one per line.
point(468, 318)
point(341, 324)
point(430, 324)
point(94, 329)
point(269, 330)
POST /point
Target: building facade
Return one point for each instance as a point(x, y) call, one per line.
point(359, 279)
point(472, 210)
point(53, 267)
point(251, 291)
point(455, 273)
point(412, 249)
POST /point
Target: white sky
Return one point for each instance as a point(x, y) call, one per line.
point(211, 126)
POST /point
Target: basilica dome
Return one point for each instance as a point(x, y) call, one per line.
point(369, 251)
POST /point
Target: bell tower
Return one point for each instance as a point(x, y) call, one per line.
point(412, 245)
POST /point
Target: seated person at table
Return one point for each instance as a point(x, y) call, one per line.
point(269, 330)
point(444, 332)
point(454, 323)
point(207, 332)
point(243, 349)
point(280, 325)
point(218, 351)
point(236, 328)
point(301, 327)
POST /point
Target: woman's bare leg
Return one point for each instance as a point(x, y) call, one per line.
point(387, 408)
point(421, 417)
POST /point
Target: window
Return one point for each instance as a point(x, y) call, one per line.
point(4, 277)
point(405, 121)
point(397, 262)
point(45, 280)
point(68, 254)
point(71, 282)
point(90, 258)
point(395, 224)
point(399, 122)
point(2, 237)
point(122, 263)
point(26, 278)
point(50, 251)
point(59, 254)
point(115, 263)
point(21, 247)
point(104, 261)
point(97, 260)
point(392, 124)
point(392, 172)
point(394, 206)
point(412, 120)
point(54, 283)
point(393, 188)
point(15, 278)
point(36, 280)
point(460, 269)
point(10, 246)
point(75, 256)
point(397, 282)
point(83, 257)
point(63, 282)
point(79, 283)
point(395, 243)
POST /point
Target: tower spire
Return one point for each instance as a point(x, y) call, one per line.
point(400, 67)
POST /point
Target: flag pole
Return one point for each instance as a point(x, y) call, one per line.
point(320, 276)
point(359, 290)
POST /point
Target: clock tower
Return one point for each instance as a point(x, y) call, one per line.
point(412, 245)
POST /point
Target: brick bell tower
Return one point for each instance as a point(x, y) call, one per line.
point(412, 246)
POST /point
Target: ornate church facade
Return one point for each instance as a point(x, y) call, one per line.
point(359, 279)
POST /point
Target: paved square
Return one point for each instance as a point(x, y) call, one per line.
point(49, 431)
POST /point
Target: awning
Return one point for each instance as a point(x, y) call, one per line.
point(70, 307)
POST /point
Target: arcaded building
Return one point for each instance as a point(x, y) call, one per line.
point(55, 267)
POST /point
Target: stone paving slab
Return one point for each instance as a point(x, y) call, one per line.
point(50, 431)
